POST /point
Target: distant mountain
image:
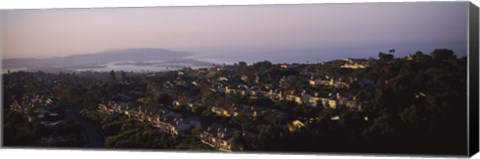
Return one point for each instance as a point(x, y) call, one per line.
point(132, 55)
point(95, 59)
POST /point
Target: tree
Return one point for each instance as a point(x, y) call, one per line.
point(422, 58)
point(262, 66)
point(112, 77)
point(238, 143)
point(123, 76)
point(16, 130)
point(242, 64)
point(384, 57)
point(392, 51)
point(443, 54)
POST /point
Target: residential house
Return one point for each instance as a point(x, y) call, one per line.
point(171, 123)
point(223, 78)
point(355, 64)
point(329, 102)
point(410, 57)
point(220, 111)
point(339, 83)
point(295, 126)
point(294, 98)
point(335, 118)
point(219, 137)
point(354, 104)
point(306, 98)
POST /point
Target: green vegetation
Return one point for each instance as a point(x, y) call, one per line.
point(18, 130)
point(121, 132)
point(413, 104)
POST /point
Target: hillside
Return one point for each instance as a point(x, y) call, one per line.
point(94, 60)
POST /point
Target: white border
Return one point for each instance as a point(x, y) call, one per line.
point(43, 4)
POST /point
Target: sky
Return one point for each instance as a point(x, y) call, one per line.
point(281, 32)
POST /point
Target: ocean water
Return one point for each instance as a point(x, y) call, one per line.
point(315, 55)
point(4, 71)
point(156, 66)
point(295, 55)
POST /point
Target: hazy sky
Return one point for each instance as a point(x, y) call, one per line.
point(346, 29)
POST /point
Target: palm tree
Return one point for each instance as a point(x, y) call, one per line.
point(392, 51)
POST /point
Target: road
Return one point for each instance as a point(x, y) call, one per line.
point(93, 134)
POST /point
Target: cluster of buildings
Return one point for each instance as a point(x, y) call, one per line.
point(250, 111)
point(166, 121)
point(216, 136)
point(314, 99)
point(355, 63)
point(329, 82)
point(42, 109)
point(39, 106)
point(274, 92)
point(221, 137)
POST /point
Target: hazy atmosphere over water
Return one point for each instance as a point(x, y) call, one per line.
point(280, 33)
